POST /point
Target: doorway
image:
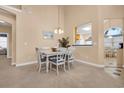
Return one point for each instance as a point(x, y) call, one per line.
point(113, 46)
point(5, 40)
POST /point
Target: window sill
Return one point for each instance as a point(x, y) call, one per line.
point(83, 45)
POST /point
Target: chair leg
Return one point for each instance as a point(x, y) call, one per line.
point(50, 66)
point(57, 69)
point(64, 67)
point(68, 66)
point(39, 67)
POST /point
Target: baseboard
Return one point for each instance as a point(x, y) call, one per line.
point(26, 63)
point(13, 64)
point(9, 57)
point(89, 63)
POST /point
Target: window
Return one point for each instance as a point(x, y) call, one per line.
point(114, 31)
point(113, 37)
point(83, 35)
point(3, 41)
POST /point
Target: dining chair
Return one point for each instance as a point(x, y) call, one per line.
point(70, 57)
point(62, 49)
point(41, 58)
point(58, 60)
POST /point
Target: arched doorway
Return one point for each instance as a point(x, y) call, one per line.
point(113, 41)
point(113, 45)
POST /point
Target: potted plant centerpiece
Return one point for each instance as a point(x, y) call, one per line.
point(64, 42)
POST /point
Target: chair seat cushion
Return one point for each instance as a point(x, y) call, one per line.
point(43, 59)
point(55, 60)
point(69, 58)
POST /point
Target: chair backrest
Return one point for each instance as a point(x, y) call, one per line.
point(61, 56)
point(62, 49)
point(71, 53)
point(40, 55)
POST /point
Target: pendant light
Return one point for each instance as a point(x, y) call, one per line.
point(59, 30)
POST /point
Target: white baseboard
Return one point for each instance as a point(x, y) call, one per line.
point(89, 63)
point(13, 64)
point(26, 63)
point(9, 57)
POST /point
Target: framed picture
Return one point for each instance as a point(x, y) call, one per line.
point(48, 35)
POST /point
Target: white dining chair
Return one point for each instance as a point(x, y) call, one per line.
point(58, 60)
point(41, 58)
point(70, 57)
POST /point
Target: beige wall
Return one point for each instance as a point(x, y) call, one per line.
point(77, 15)
point(9, 31)
point(30, 24)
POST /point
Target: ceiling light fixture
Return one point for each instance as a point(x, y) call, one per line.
point(58, 30)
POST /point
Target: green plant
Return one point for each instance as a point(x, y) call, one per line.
point(64, 42)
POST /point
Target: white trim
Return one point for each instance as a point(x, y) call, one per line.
point(8, 47)
point(26, 63)
point(89, 63)
point(9, 56)
point(13, 64)
point(12, 8)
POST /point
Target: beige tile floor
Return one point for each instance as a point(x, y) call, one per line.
point(80, 76)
